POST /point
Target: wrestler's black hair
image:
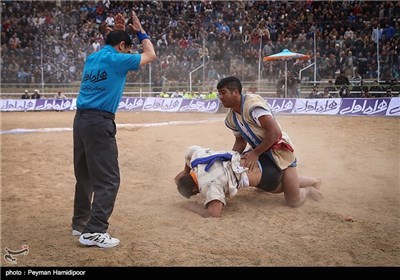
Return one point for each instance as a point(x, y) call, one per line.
point(117, 36)
point(186, 185)
point(230, 83)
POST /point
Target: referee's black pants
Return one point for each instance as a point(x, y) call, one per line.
point(96, 170)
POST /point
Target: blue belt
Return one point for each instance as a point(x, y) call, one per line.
point(210, 160)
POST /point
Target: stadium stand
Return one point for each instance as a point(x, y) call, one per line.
point(45, 43)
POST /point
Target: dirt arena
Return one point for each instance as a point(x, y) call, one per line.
point(357, 223)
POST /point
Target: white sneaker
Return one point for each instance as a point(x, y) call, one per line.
point(103, 240)
point(76, 233)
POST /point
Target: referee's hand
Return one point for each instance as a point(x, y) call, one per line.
point(136, 26)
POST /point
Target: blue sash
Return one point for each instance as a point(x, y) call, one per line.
point(210, 160)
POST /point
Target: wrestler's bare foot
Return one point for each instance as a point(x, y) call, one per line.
point(315, 194)
point(318, 183)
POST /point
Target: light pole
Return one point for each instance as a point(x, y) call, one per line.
point(149, 80)
point(259, 63)
point(376, 35)
point(377, 53)
point(41, 66)
point(315, 60)
point(204, 62)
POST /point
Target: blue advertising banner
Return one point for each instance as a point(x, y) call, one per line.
point(364, 106)
point(131, 104)
point(199, 105)
point(17, 105)
point(326, 106)
point(282, 105)
point(322, 106)
point(394, 107)
point(53, 104)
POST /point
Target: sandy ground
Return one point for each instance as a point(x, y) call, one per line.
point(357, 223)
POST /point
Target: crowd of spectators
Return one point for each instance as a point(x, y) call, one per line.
point(59, 35)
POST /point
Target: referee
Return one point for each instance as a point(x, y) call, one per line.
point(95, 148)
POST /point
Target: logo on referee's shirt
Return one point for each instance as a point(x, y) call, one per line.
point(101, 75)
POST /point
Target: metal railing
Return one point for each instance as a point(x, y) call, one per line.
point(13, 90)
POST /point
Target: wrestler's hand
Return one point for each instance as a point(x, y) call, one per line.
point(251, 159)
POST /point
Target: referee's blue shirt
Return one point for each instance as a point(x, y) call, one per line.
point(103, 79)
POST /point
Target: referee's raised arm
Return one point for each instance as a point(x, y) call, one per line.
point(148, 54)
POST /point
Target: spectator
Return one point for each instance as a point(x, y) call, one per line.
point(362, 27)
point(365, 93)
point(326, 94)
point(314, 93)
point(342, 79)
point(14, 41)
point(25, 95)
point(35, 94)
point(330, 88)
point(96, 45)
point(280, 88)
point(296, 88)
point(60, 95)
point(344, 91)
point(376, 89)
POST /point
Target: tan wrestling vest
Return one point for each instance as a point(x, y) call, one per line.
point(282, 151)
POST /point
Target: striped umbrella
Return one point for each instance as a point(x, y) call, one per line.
point(286, 55)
